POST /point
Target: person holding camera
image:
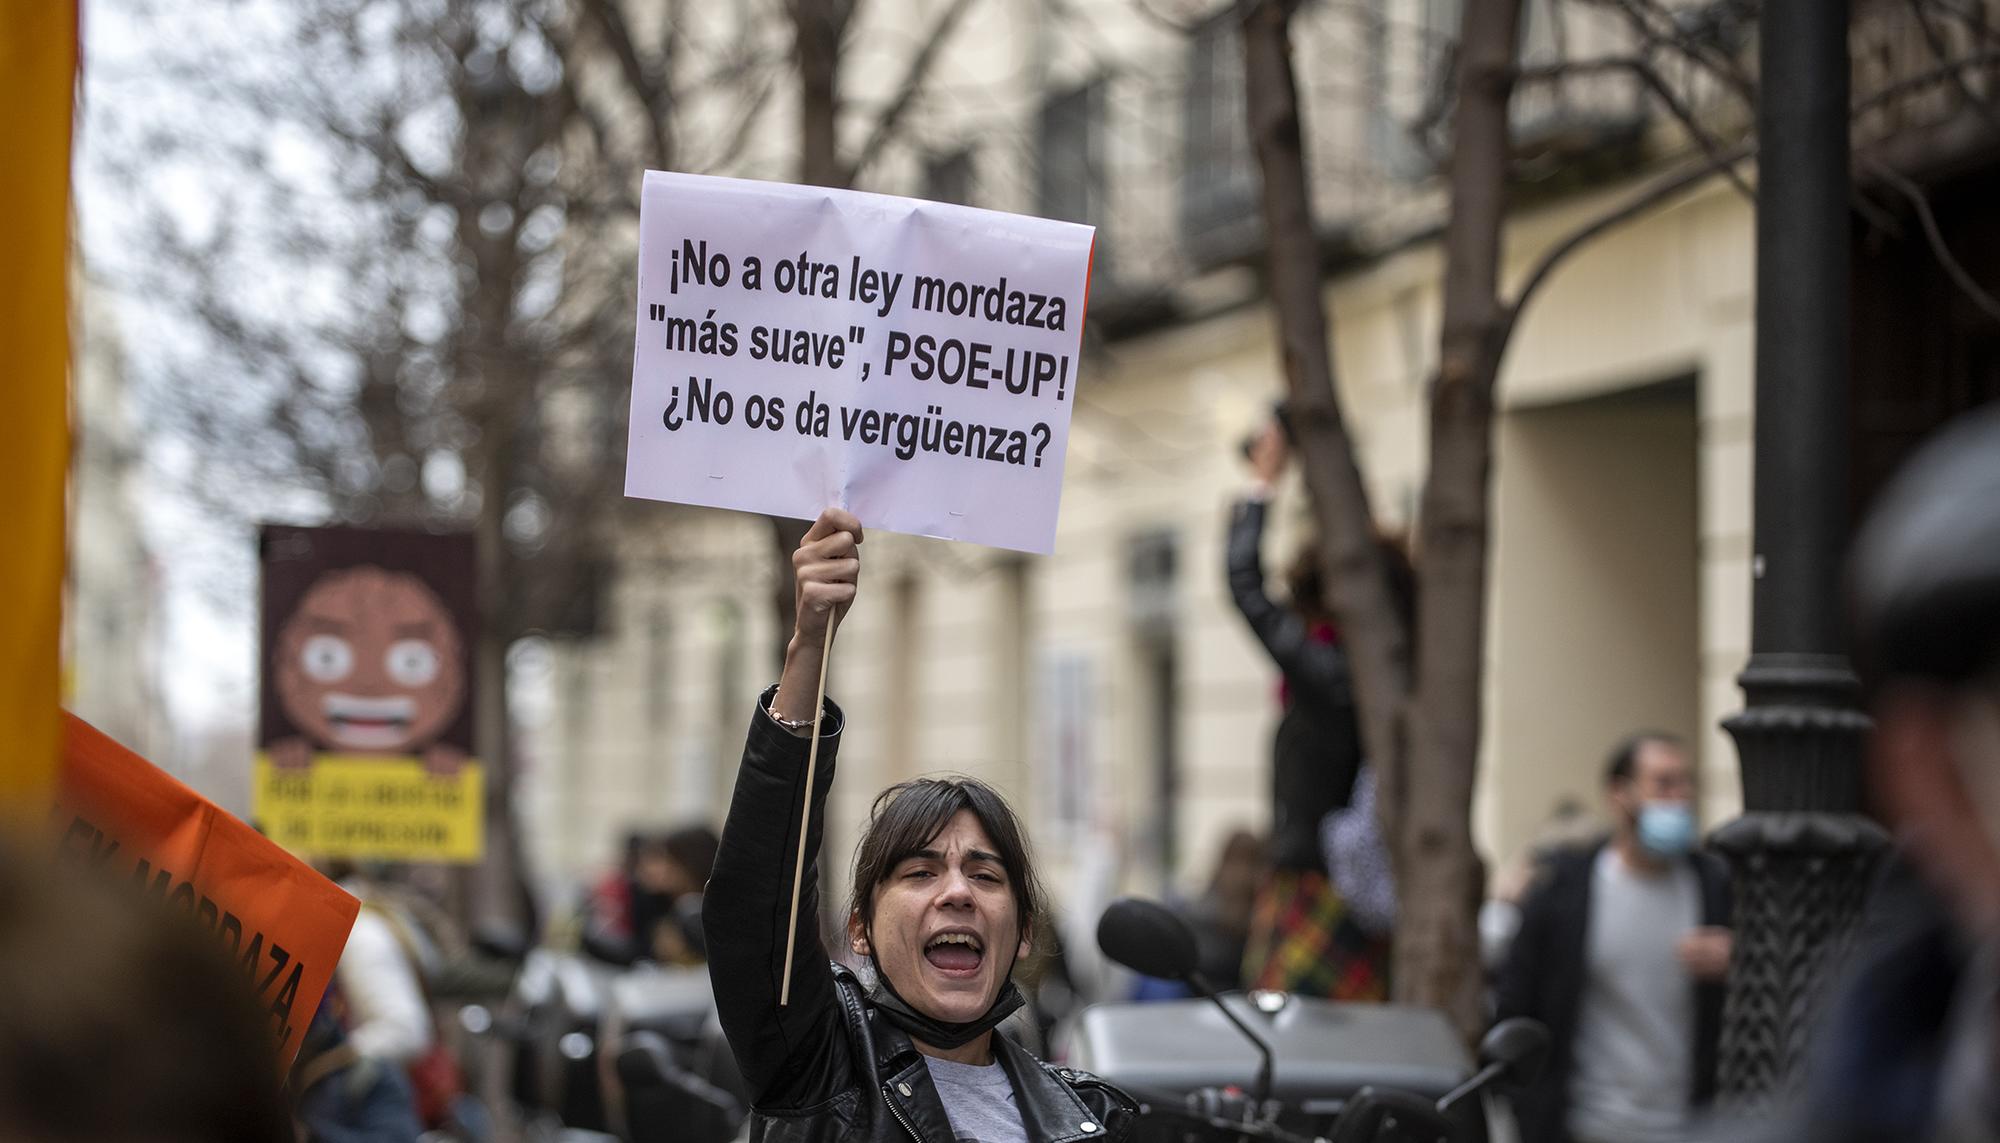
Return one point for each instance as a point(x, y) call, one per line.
point(1304, 936)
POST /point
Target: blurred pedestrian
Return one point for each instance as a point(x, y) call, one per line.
point(650, 908)
point(1220, 918)
point(1622, 952)
point(387, 1016)
point(676, 937)
point(121, 1022)
point(1910, 1049)
point(342, 1096)
point(384, 980)
point(1302, 937)
point(607, 907)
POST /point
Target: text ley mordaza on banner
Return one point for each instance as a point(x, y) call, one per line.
point(799, 347)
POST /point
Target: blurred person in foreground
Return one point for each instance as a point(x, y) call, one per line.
point(945, 904)
point(1303, 937)
point(385, 980)
point(121, 1022)
point(342, 1096)
point(381, 973)
point(1910, 1046)
point(1622, 952)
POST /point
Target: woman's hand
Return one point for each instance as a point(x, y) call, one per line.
point(826, 571)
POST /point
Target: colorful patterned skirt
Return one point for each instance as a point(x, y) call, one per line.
point(1302, 940)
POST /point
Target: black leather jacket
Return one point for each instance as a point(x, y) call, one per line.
point(1545, 970)
point(827, 1068)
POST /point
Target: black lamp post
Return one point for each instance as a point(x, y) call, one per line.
point(1803, 851)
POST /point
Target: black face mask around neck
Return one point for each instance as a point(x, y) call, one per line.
point(937, 1033)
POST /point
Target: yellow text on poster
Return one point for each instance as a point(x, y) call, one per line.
point(371, 808)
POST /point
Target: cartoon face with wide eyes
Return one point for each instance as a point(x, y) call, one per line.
point(370, 662)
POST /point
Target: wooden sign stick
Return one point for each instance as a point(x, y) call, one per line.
point(805, 815)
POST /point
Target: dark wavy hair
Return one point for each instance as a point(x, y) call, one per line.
point(906, 816)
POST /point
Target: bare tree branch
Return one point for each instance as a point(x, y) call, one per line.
point(1685, 116)
point(1566, 69)
point(1974, 20)
point(1642, 69)
point(1953, 268)
point(1640, 202)
point(1934, 37)
point(739, 138)
point(1656, 28)
point(1894, 91)
point(1875, 216)
point(648, 87)
point(914, 79)
point(1675, 183)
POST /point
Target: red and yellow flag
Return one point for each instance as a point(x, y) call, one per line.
point(38, 68)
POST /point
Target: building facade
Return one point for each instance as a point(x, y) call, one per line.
point(111, 601)
point(1111, 688)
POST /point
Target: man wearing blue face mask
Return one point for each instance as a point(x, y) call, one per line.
point(1622, 952)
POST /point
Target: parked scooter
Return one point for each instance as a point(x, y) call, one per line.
point(547, 1030)
point(1316, 1071)
point(601, 1053)
point(669, 1075)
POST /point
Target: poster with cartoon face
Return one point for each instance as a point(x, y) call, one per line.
point(365, 741)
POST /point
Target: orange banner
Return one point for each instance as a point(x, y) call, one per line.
point(284, 923)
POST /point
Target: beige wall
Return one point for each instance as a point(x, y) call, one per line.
point(957, 670)
point(1669, 295)
point(1594, 627)
point(643, 727)
point(1619, 591)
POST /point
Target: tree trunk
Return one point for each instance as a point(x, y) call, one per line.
point(1437, 946)
point(818, 26)
point(499, 886)
point(503, 374)
point(1357, 586)
point(1421, 734)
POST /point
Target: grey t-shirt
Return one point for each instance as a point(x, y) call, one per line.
point(979, 1101)
point(1634, 1051)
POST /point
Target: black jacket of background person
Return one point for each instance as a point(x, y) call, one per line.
point(827, 1067)
point(1544, 977)
point(1318, 745)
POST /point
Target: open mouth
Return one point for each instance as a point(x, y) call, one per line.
point(370, 723)
point(955, 953)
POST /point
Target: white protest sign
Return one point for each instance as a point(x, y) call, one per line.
point(912, 362)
